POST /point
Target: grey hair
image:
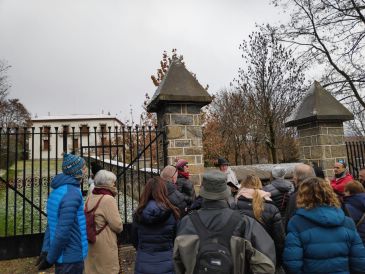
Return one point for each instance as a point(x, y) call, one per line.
point(302, 172)
point(278, 172)
point(104, 178)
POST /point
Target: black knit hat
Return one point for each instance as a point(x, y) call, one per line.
point(222, 161)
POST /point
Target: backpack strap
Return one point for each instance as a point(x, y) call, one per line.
point(362, 219)
point(93, 210)
point(223, 235)
point(284, 201)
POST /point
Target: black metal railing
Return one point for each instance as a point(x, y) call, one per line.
point(31, 157)
point(355, 155)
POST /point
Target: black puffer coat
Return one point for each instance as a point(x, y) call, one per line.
point(185, 186)
point(271, 221)
point(176, 198)
point(280, 190)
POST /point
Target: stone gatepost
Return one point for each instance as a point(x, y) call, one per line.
point(178, 102)
point(319, 120)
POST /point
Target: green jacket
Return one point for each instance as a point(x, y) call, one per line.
point(252, 249)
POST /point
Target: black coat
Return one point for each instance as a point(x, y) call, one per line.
point(355, 208)
point(280, 190)
point(271, 221)
point(153, 235)
point(176, 198)
point(186, 187)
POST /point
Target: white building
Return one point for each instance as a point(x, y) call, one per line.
point(54, 133)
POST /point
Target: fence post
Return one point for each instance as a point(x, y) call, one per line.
point(178, 102)
point(319, 121)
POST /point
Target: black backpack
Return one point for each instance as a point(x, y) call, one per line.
point(214, 255)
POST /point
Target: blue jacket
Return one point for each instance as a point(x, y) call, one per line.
point(355, 204)
point(323, 240)
point(153, 237)
point(65, 239)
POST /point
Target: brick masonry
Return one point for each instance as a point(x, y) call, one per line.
point(322, 143)
point(182, 123)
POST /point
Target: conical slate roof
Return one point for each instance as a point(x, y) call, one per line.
point(318, 105)
point(178, 85)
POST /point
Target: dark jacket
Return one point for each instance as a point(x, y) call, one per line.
point(355, 206)
point(176, 198)
point(153, 236)
point(323, 240)
point(186, 187)
point(249, 237)
point(290, 208)
point(280, 190)
point(65, 238)
point(271, 221)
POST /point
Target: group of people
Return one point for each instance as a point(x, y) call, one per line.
point(308, 226)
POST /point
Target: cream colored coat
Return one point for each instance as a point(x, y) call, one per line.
point(103, 254)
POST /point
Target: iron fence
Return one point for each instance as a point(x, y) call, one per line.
point(31, 157)
point(355, 155)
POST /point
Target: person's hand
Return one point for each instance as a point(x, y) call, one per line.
point(41, 257)
point(44, 264)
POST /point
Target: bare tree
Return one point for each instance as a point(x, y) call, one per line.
point(330, 32)
point(272, 82)
point(4, 85)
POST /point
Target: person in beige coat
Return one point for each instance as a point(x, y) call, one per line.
point(103, 254)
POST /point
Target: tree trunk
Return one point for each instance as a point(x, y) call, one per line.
point(272, 144)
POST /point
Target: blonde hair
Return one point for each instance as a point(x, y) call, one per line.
point(254, 182)
point(314, 192)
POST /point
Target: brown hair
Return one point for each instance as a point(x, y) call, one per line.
point(254, 182)
point(354, 187)
point(155, 189)
point(314, 192)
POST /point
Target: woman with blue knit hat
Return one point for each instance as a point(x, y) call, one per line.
point(65, 241)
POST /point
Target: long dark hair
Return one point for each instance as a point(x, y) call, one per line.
point(155, 189)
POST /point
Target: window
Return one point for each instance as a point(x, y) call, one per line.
point(103, 128)
point(46, 144)
point(84, 130)
point(75, 143)
point(66, 129)
point(46, 129)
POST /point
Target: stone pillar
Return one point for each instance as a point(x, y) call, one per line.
point(322, 143)
point(319, 120)
point(178, 101)
point(182, 124)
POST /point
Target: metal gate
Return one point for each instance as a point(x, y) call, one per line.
point(31, 157)
point(355, 155)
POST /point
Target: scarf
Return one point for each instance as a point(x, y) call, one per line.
point(184, 174)
point(248, 193)
point(105, 190)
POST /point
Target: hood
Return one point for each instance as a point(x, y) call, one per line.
point(63, 179)
point(356, 200)
point(283, 185)
point(154, 213)
point(326, 216)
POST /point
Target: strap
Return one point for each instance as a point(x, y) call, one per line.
point(284, 200)
point(361, 220)
point(95, 207)
point(223, 235)
point(349, 214)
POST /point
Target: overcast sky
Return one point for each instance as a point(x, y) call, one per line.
point(85, 56)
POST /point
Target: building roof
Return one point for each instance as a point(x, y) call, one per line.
point(318, 105)
point(76, 117)
point(178, 85)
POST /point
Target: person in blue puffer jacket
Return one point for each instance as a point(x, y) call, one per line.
point(65, 240)
point(154, 230)
point(321, 239)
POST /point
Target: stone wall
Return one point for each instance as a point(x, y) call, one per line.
point(322, 143)
point(182, 123)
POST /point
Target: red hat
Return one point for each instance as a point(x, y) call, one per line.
point(181, 163)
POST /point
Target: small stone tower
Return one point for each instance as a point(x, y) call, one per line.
point(319, 121)
point(178, 102)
